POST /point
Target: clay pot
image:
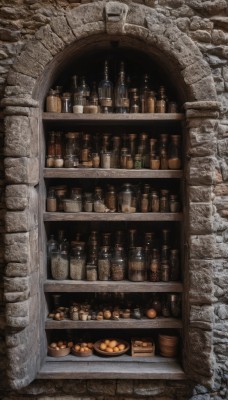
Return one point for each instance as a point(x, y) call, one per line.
point(168, 345)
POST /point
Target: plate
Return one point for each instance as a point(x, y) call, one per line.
point(105, 353)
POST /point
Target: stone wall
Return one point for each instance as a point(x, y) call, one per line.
point(204, 22)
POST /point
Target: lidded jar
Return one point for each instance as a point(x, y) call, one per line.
point(118, 264)
point(174, 265)
point(136, 265)
point(111, 199)
point(78, 262)
point(127, 199)
point(59, 264)
point(98, 201)
point(174, 157)
point(104, 263)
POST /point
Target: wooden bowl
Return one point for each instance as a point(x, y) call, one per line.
point(105, 353)
point(81, 353)
point(58, 353)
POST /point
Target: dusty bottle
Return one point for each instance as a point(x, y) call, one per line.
point(105, 91)
point(161, 102)
point(121, 93)
point(174, 158)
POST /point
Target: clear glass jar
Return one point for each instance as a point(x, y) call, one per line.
point(106, 159)
point(78, 263)
point(134, 107)
point(127, 199)
point(95, 160)
point(138, 161)
point(154, 161)
point(161, 102)
point(121, 93)
point(123, 157)
point(70, 161)
point(174, 203)
point(60, 193)
point(53, 101)
point(78, 103)
point(115, 156)
point(88, 202)
point(111, 199)
point(163, 150)
point(144, 204)
point(154, 269)
point(165, 271)
point(136, 265)
point(164, 201)
point(91, 272)
point(59, 265)
point(154, 201)
point(52, 245)
point(98, 201)
point(174, 301)
point(105, 91)
point(104, 264)
point(118, 264)
point(66, 103)
point(151, 102)
point(174, 155)
point(51, 200)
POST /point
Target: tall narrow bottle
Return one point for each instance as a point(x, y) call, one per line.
point(144, 92)
point(121, 93)
point(105, 91)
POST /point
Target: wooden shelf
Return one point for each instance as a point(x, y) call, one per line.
point(69, 286)
point(121, 367)
point(131, 323)
point(86, 216)
point(99, 173)
point(110, 119)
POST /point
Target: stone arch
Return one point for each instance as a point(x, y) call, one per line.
point(27, 82)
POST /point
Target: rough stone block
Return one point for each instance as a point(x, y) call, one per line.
point(202, 247)
point(16, 197)
point(200, 218)
point(186, 52)
point(25, 65)
point(221, 250)
point(16, 297)
point(50, 40)
point(195, 72)
point(204, 89)
point(18, 221)
point(202, 317)
point(17, 270)
point(19, 80)
point(201, 342)
point(201, 171)
point(124, 387)
point(17, 309)
point(16, 284)
point(200, 194)
point(208, 7)
point(22, 170)
point(107, 387)
point(201, 145)
point(91, 13)
point(201, 36)
point(17, 136)
point(17, 111)
point(222, 311)
point(60, 26)
point(221, 190)
point(17, 247)
point(148, 388)
point(201, 281)
point(86, 30)
point(223, 147)
point(20, 375)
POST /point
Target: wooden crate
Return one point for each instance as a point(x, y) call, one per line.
point(142, 347)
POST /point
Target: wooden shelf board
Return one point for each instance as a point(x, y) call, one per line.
point(107, 119)
point(121, 367)
point(144, 323)
point(99, 173)
point(69, 286)
point(86, 216)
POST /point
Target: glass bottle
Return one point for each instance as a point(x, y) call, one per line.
point(144, 91)
point(154, 268)
point(105, 91)
point(166, 237)
point(50, 150)
point(131, 238)
point(174, 203)
point(66, 102)
point(154, 201)
point(121, 93)
point(84, 89)
point(104, 264)
point(78, 263)
point(111, 199)
point(127, 199)
point(115, 156)
point(123, 157)
point(165, 271)
point(53, 102)
point(74, 87)
point(52, 245)
point(174, 158)
point(118, 264)
point(51, 200)
point(91, 272)
point(59, 265)
point(151, 102)
point(85, 148)
point(136, 265)
point(143, 149)
point(164, 201)
point(138, 161)
point(98, 202)
point(144, 204)
point(161, 102)
point(134, 109)
point(174, 265)
point(164, 151)
point(132, 143)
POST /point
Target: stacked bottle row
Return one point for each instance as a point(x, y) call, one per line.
point(129, 199)
point(123, 97)
point(129, 151)
point(109, 258)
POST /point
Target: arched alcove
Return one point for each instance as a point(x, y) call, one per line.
point(81, 35)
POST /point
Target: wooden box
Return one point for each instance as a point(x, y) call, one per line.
point(142, 347)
